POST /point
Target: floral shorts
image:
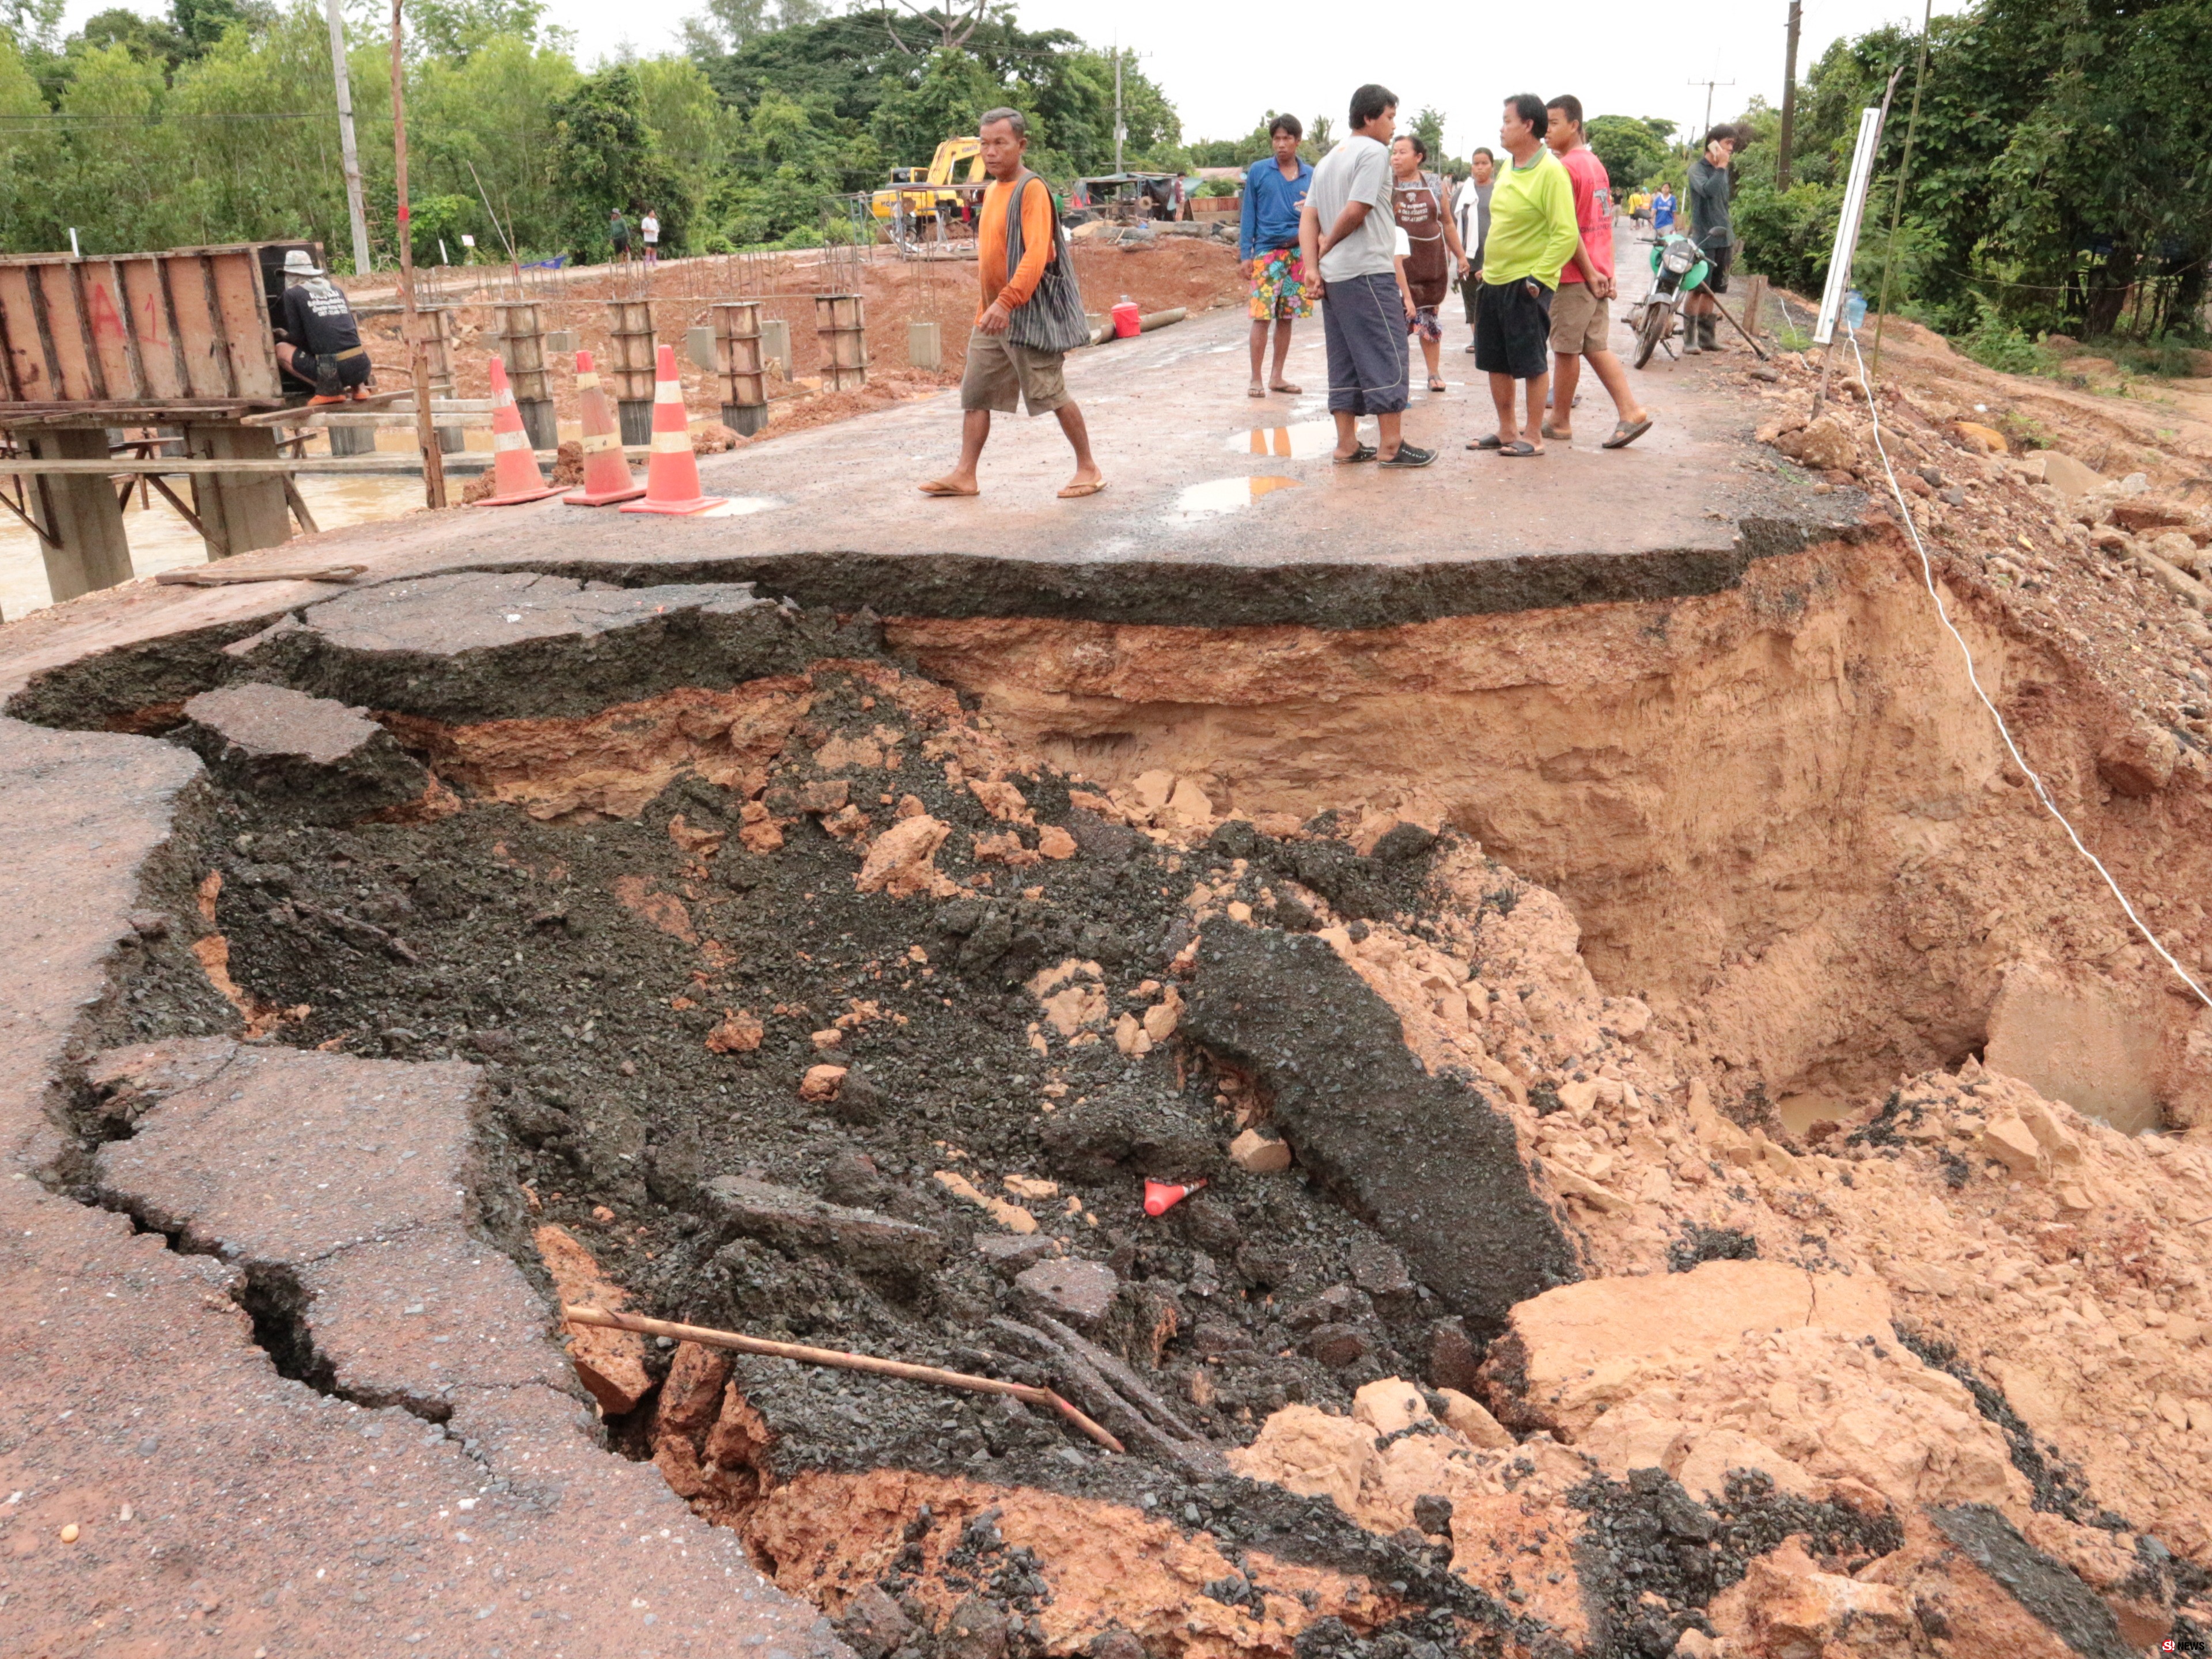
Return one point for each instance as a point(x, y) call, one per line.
point(1279, 288)
point(1424, 322)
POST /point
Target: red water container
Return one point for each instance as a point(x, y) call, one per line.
point(1126, 323)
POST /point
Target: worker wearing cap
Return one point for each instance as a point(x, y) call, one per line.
point(320, 344)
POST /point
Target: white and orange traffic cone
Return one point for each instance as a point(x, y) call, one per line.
point(607, 476)
point(671, 471)
point(514, 470)
point(1160, 1197)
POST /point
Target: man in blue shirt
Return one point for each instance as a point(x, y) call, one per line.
point(1274, 191)
point(1663, 211)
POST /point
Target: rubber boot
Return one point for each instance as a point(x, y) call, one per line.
point(1709, 332)
point(1690, 335)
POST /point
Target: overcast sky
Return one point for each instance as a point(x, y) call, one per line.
point(1225, 65)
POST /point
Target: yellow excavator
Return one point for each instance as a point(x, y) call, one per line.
point(915, 195)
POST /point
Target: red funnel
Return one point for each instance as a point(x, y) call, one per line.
point(1160, 1198)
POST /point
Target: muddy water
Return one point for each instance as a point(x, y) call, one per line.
point(160, 539)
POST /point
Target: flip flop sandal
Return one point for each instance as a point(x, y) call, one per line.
point(1076, 492)
point(1493, 442)
point(1364, 453)
point(1409, 456)
point(1518, 449)
point(1256, 390)
point(944, 491)
point(1288, 390)
point(1560, 437)
point(1625, 434)
point(1436, 384)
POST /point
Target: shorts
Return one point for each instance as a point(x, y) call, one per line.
point(1424, 322)
point(329, 376)
point(1279, 288)
point(1364, 326)
point(1717, 268)
point(1000, 371)
point(1512, 327)
point(1580, 320)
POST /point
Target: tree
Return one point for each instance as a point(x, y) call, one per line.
point(604, 157)
point(727, 25)
point(2058, 168)
point(1633, 149)
point(1428, 127)
point(452, 30)
point(954, 23)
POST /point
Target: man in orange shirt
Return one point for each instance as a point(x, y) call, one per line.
point(1032, 313)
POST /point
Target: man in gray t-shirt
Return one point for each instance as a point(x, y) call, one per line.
point(1347, 233)
point(1357, 170)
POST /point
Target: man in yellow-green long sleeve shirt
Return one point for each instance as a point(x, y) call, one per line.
point(1533, 234)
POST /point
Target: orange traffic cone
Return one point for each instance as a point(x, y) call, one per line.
point(607, 476)
point(1160, 1198)
point(672, 472)
point(515, 465)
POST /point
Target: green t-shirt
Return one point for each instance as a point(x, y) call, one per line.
point(1532, 223)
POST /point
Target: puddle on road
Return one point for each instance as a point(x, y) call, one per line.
point(1299, 441)
point(1218, 495)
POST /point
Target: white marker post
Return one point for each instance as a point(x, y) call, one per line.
point(1847, 228)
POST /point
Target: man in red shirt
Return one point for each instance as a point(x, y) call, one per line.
point(1581, 314)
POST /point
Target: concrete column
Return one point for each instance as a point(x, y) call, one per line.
point(744, 379)
point(522, 348)
point(439, 320)
point(352, 440)
point(629, 329)
point(82, 513)
point(238, 510)
point(839, 323)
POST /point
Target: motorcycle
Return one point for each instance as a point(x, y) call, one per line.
point(1678, 271)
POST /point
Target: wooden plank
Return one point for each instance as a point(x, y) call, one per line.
point(199, 327)
point(58, 384)
point(152, 333)
point(134, 366)
point(27, 416)
point(245, 324)
point(203, 576)
point(26, 376)
point(398, 462)
point(81, 293)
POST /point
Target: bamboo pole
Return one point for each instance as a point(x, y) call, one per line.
point(419, 349)
point(708, 1337)
point(1904, 172)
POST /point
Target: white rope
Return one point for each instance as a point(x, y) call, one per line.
point(1927, 574)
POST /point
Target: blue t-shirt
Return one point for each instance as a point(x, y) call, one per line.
point(1663, 211)
point(1271, 207)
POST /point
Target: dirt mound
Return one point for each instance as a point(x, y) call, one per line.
point(1195, 273)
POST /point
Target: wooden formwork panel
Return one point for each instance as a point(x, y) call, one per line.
point(187, 326)
point(153, 321)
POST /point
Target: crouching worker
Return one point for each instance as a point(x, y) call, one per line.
point(320, 345)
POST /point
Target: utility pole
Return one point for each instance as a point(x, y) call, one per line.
point(1120, 131)
point(410, 320)
point(1708, 127)
point(354, 209)
point(1788, 98)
